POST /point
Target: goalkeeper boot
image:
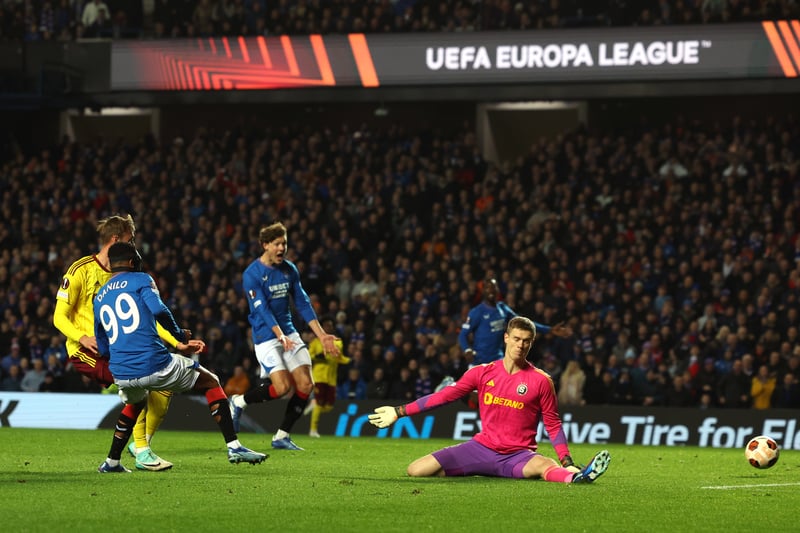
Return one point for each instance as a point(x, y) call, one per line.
point(286, 443)
point(236, 412)
point(106, 469)
point(244, 455)
point(147, 460)
point(596, 468)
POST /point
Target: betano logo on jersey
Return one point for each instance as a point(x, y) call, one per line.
point(491, 399)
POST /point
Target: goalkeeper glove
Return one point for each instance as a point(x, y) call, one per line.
point(385, 416)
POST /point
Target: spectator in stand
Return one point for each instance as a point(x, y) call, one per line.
point(12, 381)
point(707, 379)
point(678, 394)
point(238, 383)
point(14, 357)
point(96, 18)
point(424, 384)
point(34, 377)
point(251, 18)
point(571, 383)
point(787, 393)
point(762, 388)
point(403, 387)
point(352, 388)
point(50, 383)
point(378, 387)
point(733, 388)
point(623, 255)
point(56, 348)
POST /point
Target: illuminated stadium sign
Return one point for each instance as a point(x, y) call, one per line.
point(725, 52)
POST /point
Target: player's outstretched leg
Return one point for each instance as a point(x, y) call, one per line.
point(105, 468)
point(236, 410)
point(148, 422)
point(245, 455)
point(596, 468)
point(122, 433)
point(220, 409)
point(294, 410)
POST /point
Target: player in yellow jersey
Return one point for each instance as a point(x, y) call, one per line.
point(74, 317)
point(324, 372)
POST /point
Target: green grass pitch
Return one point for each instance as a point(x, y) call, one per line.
point(48, 482)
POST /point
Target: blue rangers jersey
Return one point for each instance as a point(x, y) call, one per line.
point(268, 289)
point(488, 324)
point(126, 309)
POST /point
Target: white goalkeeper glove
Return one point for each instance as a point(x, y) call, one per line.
point(385, 416)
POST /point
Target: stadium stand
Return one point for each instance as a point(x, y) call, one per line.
point(671, 246)
point(121, 19)
point(666, 245)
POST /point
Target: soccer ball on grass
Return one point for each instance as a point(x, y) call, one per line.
point(762, 451)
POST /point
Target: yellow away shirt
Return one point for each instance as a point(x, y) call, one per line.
point(74, 313)
point(326, 367)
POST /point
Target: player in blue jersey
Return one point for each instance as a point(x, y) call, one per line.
point(271, 283)
point(481, 336)
point(126, 310)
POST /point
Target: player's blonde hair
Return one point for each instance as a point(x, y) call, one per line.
point(117, 225)
point(271, 232)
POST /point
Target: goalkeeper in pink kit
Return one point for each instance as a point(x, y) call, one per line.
point(513, 396)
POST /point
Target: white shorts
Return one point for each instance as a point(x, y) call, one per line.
point(179, 375)
point(271, 356)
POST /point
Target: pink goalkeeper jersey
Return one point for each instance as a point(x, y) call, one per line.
point(510, 406)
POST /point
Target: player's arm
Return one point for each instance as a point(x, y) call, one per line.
point(168, 338)
point(552, 421)
point(257, 301)
point(465, 335)
point(63, 324)
point(163, 315)
point(328, 340)
point(559, 330)
point(69, 291)
point(100, 336)
point(303, 304)
point(507, 310)
point(386, 415)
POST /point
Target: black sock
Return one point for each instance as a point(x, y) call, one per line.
point(262, 393)
point(294, 410)
point(221, 413)
point(122, 435)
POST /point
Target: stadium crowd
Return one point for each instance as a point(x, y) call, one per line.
point(671, 250)
point(34, 20)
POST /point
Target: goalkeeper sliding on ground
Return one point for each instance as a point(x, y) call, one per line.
point(513, 396)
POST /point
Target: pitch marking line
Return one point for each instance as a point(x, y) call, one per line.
point(753, 486)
